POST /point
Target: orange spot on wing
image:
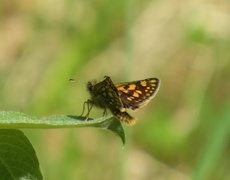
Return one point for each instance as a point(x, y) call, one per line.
point(139, 92)
point(129, 98)
point(143, 83)
point(135, 94)
point(132, 87)
point(122, 89)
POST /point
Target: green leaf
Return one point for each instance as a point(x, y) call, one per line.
point(17, 120)
point(17, 156)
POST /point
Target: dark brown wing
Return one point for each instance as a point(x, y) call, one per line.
point(107, 94)
point(137, 94)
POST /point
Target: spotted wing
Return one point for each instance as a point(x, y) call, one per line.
point(108, 93)
point(137, 94)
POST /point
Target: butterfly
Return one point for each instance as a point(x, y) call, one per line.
point(122, 96)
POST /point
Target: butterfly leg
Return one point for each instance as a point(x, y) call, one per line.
point(105, 112)
point(89, 105)
point(83, 110)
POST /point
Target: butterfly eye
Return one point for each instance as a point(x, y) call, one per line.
point(89, 86)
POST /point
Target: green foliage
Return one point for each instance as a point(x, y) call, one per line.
point(18, 158)
point(213, 151)
point(186, 46)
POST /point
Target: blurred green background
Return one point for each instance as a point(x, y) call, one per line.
point(182, 134)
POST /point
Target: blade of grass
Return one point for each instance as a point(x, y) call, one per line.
point(219, 137)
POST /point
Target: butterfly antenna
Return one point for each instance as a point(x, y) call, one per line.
point(72, 80)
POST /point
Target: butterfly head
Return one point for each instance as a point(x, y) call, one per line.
point(90, 85)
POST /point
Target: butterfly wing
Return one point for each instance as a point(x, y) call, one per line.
point(107, 95)
point(137, 94)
